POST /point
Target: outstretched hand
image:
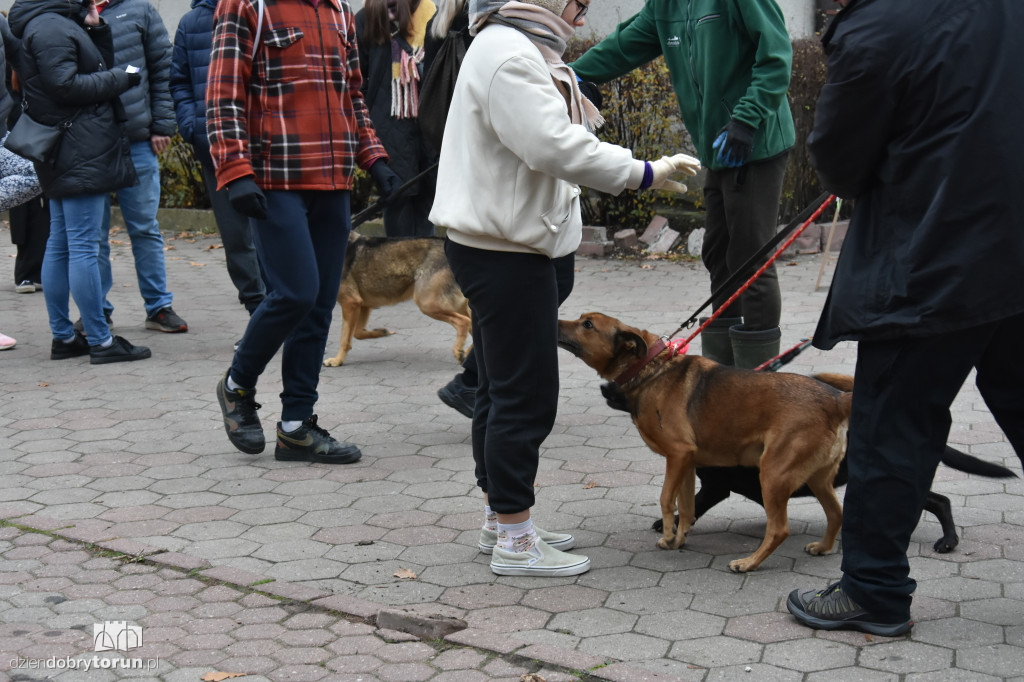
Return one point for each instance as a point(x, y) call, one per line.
point(668, 165)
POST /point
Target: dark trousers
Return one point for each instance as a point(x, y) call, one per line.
point(236, 235)
point(742, 214)
point(407, 217)
point(898, 428)
point(514, 299)
point(30, 228)
point(301, 246)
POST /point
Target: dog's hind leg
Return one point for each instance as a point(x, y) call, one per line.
point(821, 485)
point(939, 506)
point(777, 486)
point(361, 332)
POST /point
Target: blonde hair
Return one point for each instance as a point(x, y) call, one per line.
point(447, 10)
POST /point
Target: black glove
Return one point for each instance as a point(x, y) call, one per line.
point(387, 181)
point(734, 144)
point(591, 92)
point(613, 396)
point(247, 198)
point(134, 78)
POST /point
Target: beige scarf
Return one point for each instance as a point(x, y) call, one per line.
point(550, 33)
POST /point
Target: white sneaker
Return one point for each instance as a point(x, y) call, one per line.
point(539, 559)
point(560, 541)
point(6, 342)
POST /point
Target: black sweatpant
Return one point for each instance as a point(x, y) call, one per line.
point(514, 299)
point(898, 428)
point(30, 228)
point(742, 215)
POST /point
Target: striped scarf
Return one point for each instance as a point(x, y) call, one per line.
point(405, 71)
point(550, 33)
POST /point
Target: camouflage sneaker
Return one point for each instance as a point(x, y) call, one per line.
point(310, 443)
point(240, 419)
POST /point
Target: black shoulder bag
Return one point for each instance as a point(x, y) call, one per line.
point(438, 86)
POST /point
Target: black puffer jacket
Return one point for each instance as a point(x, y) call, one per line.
point(920, 121)
point(64, 77)
point(140, 39)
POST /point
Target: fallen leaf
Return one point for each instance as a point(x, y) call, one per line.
point(43, 384)
point(589, 485)
point(218, 676)
point(214, 246)
point(868, 638)
point(364, 542)
point(405, 573)
point(646, 266)
point(532, 677)
point(196, 265)
point(116, 242)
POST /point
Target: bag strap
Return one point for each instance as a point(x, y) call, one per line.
point(259, 31)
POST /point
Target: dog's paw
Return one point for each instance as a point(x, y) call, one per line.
point(817, 548)
point(333, 362)
point(946, 545)
point(741, 565)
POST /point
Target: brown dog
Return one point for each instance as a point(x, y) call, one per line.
point(380, 272)
point(697, 413)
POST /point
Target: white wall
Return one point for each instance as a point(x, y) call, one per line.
point(603, 17)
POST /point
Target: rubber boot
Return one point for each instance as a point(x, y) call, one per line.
point(753, 348)
point(714, 341)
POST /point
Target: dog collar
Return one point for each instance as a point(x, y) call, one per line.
point(677, 347)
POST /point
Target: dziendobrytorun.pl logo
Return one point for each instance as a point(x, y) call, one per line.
point(115, 635)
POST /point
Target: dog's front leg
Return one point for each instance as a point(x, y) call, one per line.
point(678, 470)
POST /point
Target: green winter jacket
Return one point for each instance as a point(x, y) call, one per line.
point(727, 59)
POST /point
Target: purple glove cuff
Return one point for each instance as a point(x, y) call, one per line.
point(648, 176)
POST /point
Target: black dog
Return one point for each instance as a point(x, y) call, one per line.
point(717, 483)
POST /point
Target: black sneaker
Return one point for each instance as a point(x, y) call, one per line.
point(458, 396)
point(120, 350)
point(310, 443)
point(166, 320)
point(832, 609)
point(240, 419)
point(60, 350)
point(80, 328)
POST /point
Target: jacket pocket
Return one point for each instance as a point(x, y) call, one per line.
point(558, 217)
point(285, 58)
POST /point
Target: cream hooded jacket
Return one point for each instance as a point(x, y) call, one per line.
point(512, 161)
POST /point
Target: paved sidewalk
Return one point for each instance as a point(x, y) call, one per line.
point(122, 500)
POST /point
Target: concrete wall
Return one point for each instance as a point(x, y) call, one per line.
point(603, 17)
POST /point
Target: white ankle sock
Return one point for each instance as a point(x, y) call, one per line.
point(288, 427)
point(516, 537)
point(108, 343)
point(232, 384)
point(490, 518)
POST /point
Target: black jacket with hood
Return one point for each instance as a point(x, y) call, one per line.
point(65, 78)
point(920, 122)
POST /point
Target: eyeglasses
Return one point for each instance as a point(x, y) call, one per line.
point(583, 11)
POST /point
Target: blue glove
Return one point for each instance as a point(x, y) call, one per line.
point(734, 144)
point(386, 180)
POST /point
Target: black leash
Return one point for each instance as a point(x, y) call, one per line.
point(372, 210)
point(740, 274)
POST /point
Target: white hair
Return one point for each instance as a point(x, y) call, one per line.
point(447, 10)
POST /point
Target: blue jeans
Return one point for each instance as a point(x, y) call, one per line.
point(301, 246)
point(70, 266)
point(139, 204)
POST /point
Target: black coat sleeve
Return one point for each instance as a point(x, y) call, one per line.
point(852, 124)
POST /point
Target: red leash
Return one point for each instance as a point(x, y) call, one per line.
point(785, 245)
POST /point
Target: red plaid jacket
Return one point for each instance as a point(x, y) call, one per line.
point(294, 115)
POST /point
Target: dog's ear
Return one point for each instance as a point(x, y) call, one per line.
point(629, 344)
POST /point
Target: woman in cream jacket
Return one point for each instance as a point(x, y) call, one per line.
point(518, 144)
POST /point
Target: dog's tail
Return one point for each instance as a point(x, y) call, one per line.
point(970, 464)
